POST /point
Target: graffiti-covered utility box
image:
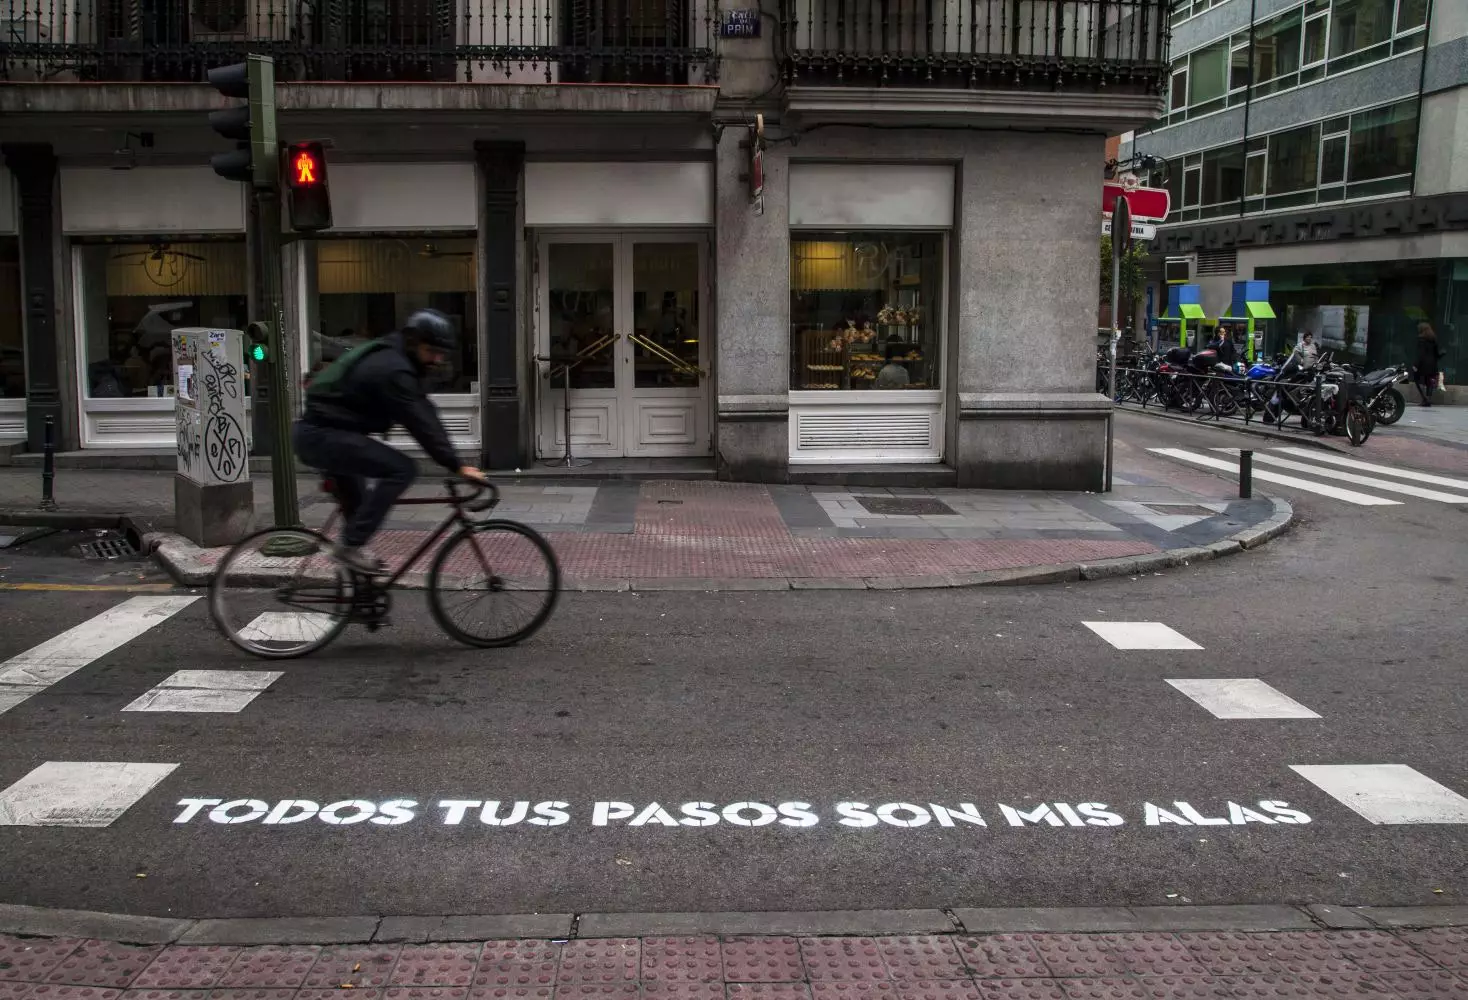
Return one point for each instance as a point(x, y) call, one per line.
point(214, 503)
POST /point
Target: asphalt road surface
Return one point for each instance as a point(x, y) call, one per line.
point(729, 739)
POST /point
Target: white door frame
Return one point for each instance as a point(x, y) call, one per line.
point(624, 420)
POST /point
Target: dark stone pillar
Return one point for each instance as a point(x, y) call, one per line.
point(500, 167)
point(34, 167)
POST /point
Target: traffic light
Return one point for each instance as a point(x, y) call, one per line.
point(259, 336)
point(251, 125)
point(305, 179)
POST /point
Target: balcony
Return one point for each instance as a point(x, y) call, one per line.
point(1026, 45)
point(467, 41)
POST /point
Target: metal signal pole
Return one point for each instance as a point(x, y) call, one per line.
point(1121, 238)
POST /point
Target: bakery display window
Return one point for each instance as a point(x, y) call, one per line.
point(865, 310)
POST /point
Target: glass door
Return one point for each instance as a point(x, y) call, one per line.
point(624, 319)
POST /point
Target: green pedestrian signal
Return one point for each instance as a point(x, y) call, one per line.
point(258, 352)
point(259, 335)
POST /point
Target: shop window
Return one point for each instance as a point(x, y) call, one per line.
point(135, 294)
point(12, 329)
point(368, 288)
point(1383, 142)
point(866, 310)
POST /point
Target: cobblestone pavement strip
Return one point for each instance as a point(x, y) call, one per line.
point(1425, 964)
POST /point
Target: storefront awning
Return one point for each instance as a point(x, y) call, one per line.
point(1190, 310)
point(1259, 310)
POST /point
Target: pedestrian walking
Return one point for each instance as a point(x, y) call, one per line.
point(1429, 353)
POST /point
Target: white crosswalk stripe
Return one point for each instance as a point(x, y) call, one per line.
point(1309, 486)
point(1331, 458)
point(1350, 477)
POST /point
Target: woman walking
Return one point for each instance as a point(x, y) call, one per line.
point(1428, 354)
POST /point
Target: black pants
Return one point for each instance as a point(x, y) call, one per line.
point(352, 459)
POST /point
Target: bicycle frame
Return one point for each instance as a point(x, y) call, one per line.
point(456, 518)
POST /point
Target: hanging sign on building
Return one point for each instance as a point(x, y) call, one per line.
point(1147, 204)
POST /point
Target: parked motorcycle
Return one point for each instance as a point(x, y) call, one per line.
point(1386, 402)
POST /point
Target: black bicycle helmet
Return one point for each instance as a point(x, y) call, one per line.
point(431, 327)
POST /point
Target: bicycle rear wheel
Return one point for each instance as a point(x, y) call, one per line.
point(1359, 422)
point(278, 594)
point(494, 583)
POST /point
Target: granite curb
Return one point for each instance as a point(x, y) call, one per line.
point(32, 921)
point(179, 557)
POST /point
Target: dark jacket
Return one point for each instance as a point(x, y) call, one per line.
point(1227, 353)
point(384, 387)
point(1428, 353)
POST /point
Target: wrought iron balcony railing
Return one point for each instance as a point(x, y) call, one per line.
point(1013, 44)
point(528, 41)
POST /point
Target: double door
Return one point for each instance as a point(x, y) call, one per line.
point(625, 317)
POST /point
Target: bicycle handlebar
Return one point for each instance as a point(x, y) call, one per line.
point(469, 502)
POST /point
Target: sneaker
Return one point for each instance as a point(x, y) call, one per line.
point(358, 559)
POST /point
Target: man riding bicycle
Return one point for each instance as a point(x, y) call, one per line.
point(367, 391)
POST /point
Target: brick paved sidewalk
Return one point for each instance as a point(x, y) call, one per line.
point(1431, 963)
point(617, 534)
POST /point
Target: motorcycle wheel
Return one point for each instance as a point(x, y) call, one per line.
point(1389, 407)
point(1359, 422)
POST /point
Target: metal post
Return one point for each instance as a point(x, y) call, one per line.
point(570, 462)
point(272, 311)
point(1121, 231)
point(48, 467)
point(1246, 474)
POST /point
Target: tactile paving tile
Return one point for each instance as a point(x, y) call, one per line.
point(1002, 956)
point(164, 994)
point(1436, 984)
point(103, 963)
point(842, 959)
point(423, 993)
point(49, 992)
point(936, 989)
point(867, 989)
point(1021, 989)
point(337, 994)
point(923, 957)
point(184, 967)
point(31, 960)
point(1104, 988)
point(680, 989)
point(271, 967)
point(14, 991)
point(518, 963)
point(436, 965)
point(1234, 954)
point(1318, 987)
point(1447, 946)
point(763, 960)
point(600, 960)
point(1068, 955)
point(511, 993)
point(766, 991)
point(354, 966)
point(1149, 954)
point(600, 991)
point(1379, 951)
point(1184, 988)
point(681, 959)
point(246, 993)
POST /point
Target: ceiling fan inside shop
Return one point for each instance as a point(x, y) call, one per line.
point(163, 265)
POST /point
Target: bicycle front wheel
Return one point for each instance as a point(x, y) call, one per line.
point(278, 594)
point(494, 583)
point(1359, 421)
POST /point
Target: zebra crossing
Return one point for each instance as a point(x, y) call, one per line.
point(1362, 484)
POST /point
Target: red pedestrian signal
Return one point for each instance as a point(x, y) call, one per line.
point(310, 197)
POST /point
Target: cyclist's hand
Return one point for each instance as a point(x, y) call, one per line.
point(472, 474)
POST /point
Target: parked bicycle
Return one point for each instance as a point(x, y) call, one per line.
point(280, 594)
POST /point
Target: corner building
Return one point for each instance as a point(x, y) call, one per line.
point(910, 297)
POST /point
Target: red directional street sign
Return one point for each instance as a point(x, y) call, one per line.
point(1147, 204)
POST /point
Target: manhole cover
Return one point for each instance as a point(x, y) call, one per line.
point(107, 548)
point(1180, 508)
point(905, 505)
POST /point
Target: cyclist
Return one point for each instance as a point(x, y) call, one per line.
point(367, 391)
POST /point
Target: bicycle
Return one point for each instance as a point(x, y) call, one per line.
point(280, 594)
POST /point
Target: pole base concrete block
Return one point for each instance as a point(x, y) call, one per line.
point(213, 515)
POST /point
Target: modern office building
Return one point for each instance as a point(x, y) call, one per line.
point(1322, 145)
point(910, 284)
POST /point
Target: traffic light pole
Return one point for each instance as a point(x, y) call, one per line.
point(266, 238)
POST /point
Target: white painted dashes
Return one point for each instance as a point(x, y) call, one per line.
point(78, 793)
point(1387, 793)
point(1141, 635)
point(1241, 698)
point(205, 691)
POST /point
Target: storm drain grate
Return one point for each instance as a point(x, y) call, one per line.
point(912, 506)
point(1179, 508)
point(108, 548)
